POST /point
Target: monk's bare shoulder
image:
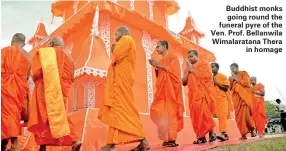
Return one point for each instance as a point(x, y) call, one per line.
point(27, 55)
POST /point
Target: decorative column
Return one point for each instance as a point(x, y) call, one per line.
point(104, 28)
point(167, 20)
point(75, 4)
point(132, 5)
point(94, 32)
point(75, 91)
point(149, 46)
point(85, 96)
point(151, 4)
point(89, 94)
point(181, 60)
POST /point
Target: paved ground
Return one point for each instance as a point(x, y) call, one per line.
point(192, 147)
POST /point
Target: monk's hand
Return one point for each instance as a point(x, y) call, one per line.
point(151, 62)
point(252, 89)
point(112, 47)
point(190, 67)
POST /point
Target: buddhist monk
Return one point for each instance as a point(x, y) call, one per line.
point(168, 107)
point(242, 100)
point(198, 78)
point(119, 111)
point(15, 71)
point(223, 100)
point(53, 74)
point(259, 111)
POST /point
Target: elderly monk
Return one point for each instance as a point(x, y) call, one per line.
point(242, 100)
point(259, 112)
point(52, 72)
point(15, 71)
point(223, 100)
point(119, 110)
point(198, 77)
point(168, 107)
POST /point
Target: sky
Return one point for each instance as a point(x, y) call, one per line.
point(24, 16)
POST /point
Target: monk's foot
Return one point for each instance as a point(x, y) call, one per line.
point(212, 137)
point(243, 137)
point(164, 143)
point(222, 137)
point(76, 146)
point(108, 147)
point(4, 144)
point(253, 133)
point(261, 135)
point(171, 144)
point(200, 141)
point(144, 145)
point(14, 149)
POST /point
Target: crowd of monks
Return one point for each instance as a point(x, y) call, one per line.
point(210, 93)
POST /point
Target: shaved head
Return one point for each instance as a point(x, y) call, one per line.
point(193, 56)
point(18, 40)
point(124, 30)
point(57, 42)
point(253, 80)
point(194, 52)
point(121, 31)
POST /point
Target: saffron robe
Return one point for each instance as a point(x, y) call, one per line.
point(168, 107)
point(259, 112)
point(118, 110)
point(242, 100)
point(223, 102)
point(15, 70)
point(52, 72)
point(201, 99)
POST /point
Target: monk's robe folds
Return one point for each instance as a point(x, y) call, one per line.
point(52, 72)
point(223, 102)
point(15, 67)
point(242, 100)
point(167, 108)
point(119, 109)
point(259, 112)
point(201, 98)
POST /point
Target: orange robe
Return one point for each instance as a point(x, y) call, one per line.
point(242, 100)
point(259, 112)
point(15, 67)
point(118, 109)
point(223, 102)
point(168, 107)
point(201, 99)
point(48, 119)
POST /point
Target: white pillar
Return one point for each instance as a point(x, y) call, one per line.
point(151, 4)
point(146, 42)
point(104, 28)
point(181, 60)
point(75, 4)
point(75, 92)
point(132, 6)
point(94, 32)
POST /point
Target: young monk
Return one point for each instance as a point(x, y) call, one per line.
point(242, 99)
point(15, 71)
point(259, 112)
point(198, 77)
point(119, 110)
point(53, 74)
point(223, 100)
point(168, 107)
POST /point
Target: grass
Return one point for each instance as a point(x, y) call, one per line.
point(273, 144)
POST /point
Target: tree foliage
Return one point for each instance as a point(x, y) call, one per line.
point(271, 109)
